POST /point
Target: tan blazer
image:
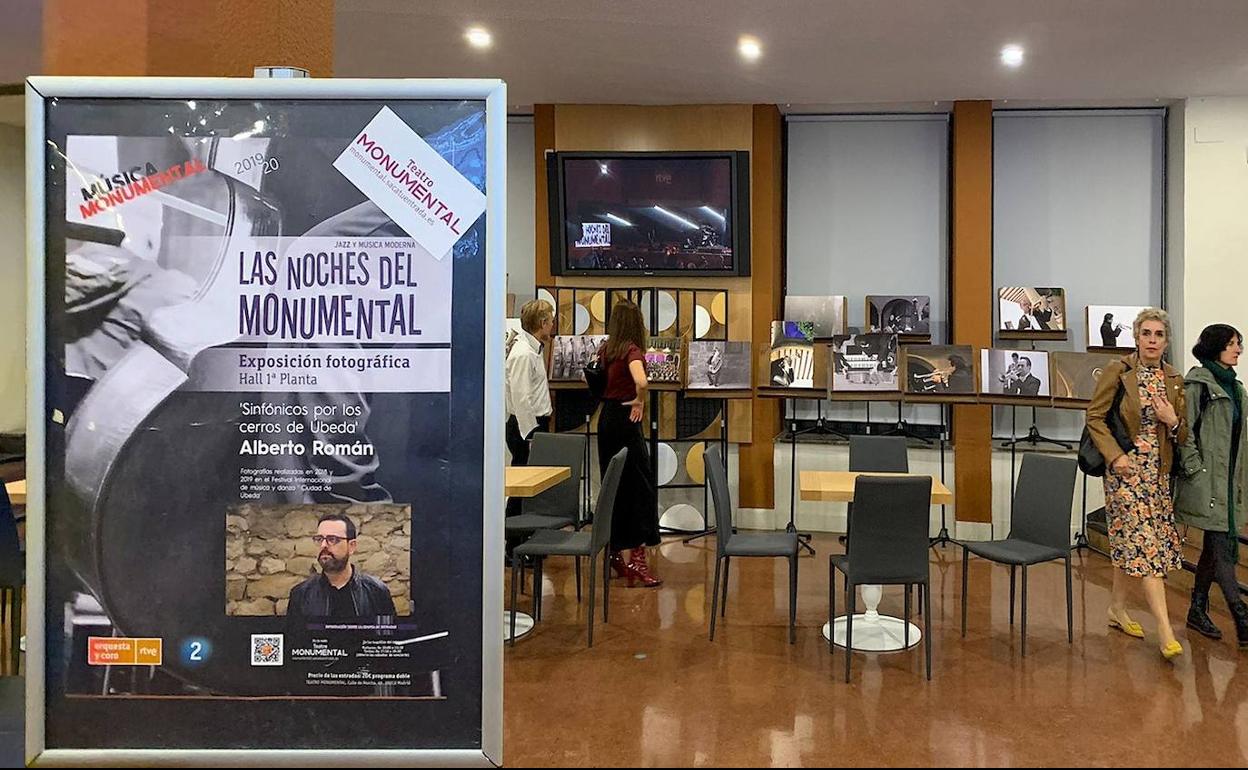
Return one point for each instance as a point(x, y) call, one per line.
point(1124, 373)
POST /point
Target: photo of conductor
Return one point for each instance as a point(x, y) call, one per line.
point(341, 590)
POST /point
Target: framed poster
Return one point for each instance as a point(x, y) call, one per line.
point(266, 329)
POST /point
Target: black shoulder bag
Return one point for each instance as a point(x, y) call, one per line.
point(1091, 461)
point(596, 377)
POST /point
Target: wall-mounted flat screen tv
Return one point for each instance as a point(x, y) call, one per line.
point(649, 213)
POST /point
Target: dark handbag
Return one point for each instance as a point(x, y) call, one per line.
point(1091, 461)
point(596, 378)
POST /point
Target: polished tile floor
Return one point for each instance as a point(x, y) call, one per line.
point(654, 692)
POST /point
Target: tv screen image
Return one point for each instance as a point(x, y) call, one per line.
point(650, 213)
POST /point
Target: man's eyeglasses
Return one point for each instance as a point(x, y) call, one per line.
point(329, 540)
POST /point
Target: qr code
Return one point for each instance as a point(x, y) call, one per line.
point(266, 649)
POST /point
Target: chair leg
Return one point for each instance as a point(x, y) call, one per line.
point(1013, 572)
point(515, 590)
point(1070, 603)
point(919, 608)
point(537, 589)
point(793, 599)
point(927, 626)
point(849, 629)
point(715, 596)
point(593, 573)
point(723, 604)
point(606, 581)
point(831, 607)
point(522, 571)
point(577, 559)
point(906, 621)
point(966, 555)
point(1024, 611)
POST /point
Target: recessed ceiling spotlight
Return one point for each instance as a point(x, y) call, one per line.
point(479, 38)
point(1012, 55)
point(749, 47)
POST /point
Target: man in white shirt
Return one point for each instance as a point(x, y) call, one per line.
point(527, 391)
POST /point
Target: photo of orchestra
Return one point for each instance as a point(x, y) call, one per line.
point(908, 316)
point(572, 354)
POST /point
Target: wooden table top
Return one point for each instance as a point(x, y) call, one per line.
point(532, 480)
point(17, 491)
point(838, 486)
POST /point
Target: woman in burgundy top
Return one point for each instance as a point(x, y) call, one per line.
point(635, 520)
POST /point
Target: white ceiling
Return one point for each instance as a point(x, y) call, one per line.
point(816, 53)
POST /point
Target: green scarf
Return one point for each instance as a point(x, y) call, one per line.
point(1225, 376)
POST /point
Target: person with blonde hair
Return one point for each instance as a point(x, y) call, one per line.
point(1144, 541)
point(526, 391)
point(635, 518)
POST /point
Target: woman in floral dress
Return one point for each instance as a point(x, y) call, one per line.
point(1143, 539)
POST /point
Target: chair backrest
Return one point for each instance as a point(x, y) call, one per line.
point(1043, 499)
point(888, 529)
point(600, 536)
point(11, 561)
point(721, 500)
point(878, 454)
point(566, 451)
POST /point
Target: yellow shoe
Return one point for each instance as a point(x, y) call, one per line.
point(1172, 651)
point(1128, 627)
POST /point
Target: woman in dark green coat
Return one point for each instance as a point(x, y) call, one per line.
point(1210, 493)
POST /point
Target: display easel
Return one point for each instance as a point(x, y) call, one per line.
point(790, 397)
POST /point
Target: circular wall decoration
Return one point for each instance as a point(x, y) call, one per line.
point(701, 322)
point(545, 295)
point(667, 312)
point(682, 516)
point(598, 306)
point(667, 464)
point(719, 308)
point(582, 320)
point(695, 463)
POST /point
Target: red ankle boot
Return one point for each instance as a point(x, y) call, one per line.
point(640, 571)
point(619, 565)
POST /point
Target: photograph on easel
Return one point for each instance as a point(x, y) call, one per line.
point(865, 362)
point(663, 360)
point(1028, 309)
point(1112, 326)
point(1019, 373)
point(939, 370)
point(1074, 375)
point(826, 314)
point(572, 354)
point(908, 315)
point(792, 354)
point(719, 365)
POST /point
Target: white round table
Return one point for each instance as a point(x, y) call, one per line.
point(873, 632)
point(524, 624)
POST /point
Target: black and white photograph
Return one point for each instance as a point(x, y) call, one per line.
point(1074, 375)
point(663, 362)
point(571, 354)
point(906, 315)
point(1112, 326)
point(1017, 373)
point(939, 370)
point(827, 314)
point(718, 365)
point(864, 362)
point(1028, 309)
point(792, 354)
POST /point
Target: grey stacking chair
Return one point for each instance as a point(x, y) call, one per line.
point(879, 454)
point(887, 546)
point(1039, 531)
point(559, 506)
point(560, 542)
point(729, 544)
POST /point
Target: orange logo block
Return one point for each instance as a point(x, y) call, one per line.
point(120, 651)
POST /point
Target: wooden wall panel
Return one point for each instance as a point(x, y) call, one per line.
point(972, 290)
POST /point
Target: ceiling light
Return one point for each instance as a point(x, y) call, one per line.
point(749, 47)
point(479, 38)
point(1012, 56)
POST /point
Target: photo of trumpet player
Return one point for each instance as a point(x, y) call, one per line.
point(1027, 309)
point(939, 370)
point(1019, 373)
point(1110, 326)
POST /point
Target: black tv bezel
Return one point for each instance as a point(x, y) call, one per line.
point(740, 197)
